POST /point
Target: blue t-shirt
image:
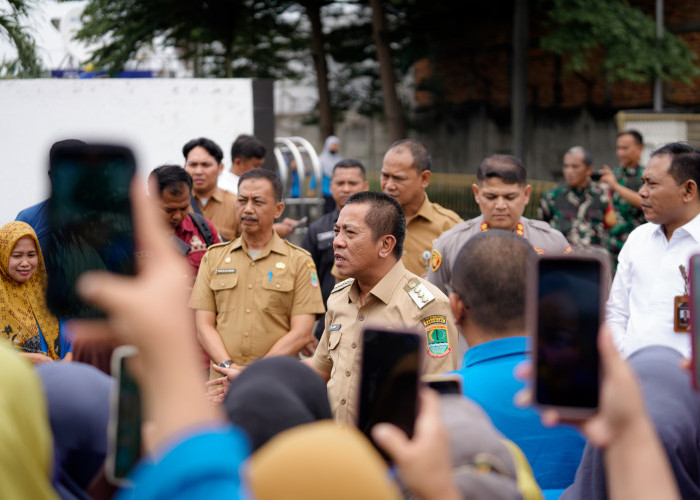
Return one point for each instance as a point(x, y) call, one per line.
point(64, 338)
point(487, 371)
point(204, 464)
point(37, 217)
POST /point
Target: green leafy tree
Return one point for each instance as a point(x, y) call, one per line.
point(227, 38)
point(579, 29)
point(12, 29)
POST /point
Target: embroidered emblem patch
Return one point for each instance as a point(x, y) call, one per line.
point(314, 278)
point(436, 335)
point(538, 251)
point(435, 260)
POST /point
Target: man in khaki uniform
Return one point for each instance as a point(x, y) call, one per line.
point(380, 291)
point(257, 295)
point(203, 161)
point(405, 177)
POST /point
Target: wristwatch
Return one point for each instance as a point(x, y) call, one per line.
point(225, 364)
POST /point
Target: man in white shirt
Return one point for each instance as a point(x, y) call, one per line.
point(247, 153)
point(650, 283)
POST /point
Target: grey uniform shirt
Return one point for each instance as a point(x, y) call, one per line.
point(542, 237)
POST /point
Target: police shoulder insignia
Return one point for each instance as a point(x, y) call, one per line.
point(436, 335)
point(568, 250)
point(314, 278)
point(342, 284)
point(435, 260)
point(538, 251)
point(419, 293)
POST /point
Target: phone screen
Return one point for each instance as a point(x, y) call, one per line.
point(569, 312)
point(695, 316)
point(444, 387)
point(390, 373)
point(124, 449)
point(90, 221)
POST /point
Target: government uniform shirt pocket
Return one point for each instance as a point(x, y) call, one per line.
point(333, 351)
point(277, 294)
point(224, 287)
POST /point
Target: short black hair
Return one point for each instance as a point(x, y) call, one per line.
point(212, 147)
point(421, 157)
point(635, 135)
point(262, 173)
point(350, 163)
point(508, 168)
point(489, 275)
point(247, 146)
point(171, 177)
point(587, 156)
point(685, 161)
point(385, 216)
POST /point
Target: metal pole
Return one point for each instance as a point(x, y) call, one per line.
point(658, 85)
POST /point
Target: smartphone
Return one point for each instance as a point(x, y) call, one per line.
point(694, 318)
point(124, 430)
point(391, 366)
point(596, 176)
point(444, 384)
point(90, 221)
point(565, 309)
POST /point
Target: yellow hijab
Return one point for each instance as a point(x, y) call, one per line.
point(26, 450)
point(23, 305)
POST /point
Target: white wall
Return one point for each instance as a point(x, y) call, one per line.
point(154, 117)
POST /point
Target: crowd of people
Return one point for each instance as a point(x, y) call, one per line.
point(250, 348)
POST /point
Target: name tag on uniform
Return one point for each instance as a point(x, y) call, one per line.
point(333, 328)
point(225, 271)
point(326, 235)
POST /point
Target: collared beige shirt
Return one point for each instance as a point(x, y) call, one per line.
point(221, 211)
point(422, 230)
point(254, 299)
point(387, 305)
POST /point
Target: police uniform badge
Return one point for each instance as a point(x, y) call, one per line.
point(435, 260)
point(436, 335)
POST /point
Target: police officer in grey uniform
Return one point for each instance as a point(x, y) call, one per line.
point(502, 193)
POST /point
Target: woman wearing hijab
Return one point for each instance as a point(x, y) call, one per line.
point(25, 438)
point(25, 319)
point(328, 158)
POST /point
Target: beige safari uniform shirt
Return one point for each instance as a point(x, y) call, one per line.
point(422, 230)
point(254, 299)
point(221, 211)
point(399, 300)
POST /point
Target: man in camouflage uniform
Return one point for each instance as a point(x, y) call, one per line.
point(578, 207)
point(624, 183)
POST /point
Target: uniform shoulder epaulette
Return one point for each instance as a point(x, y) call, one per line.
point(342, 284)
point(540, 225)
point(419, 293)
point(217, 245)
point(297, 247)
point(450, 214)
